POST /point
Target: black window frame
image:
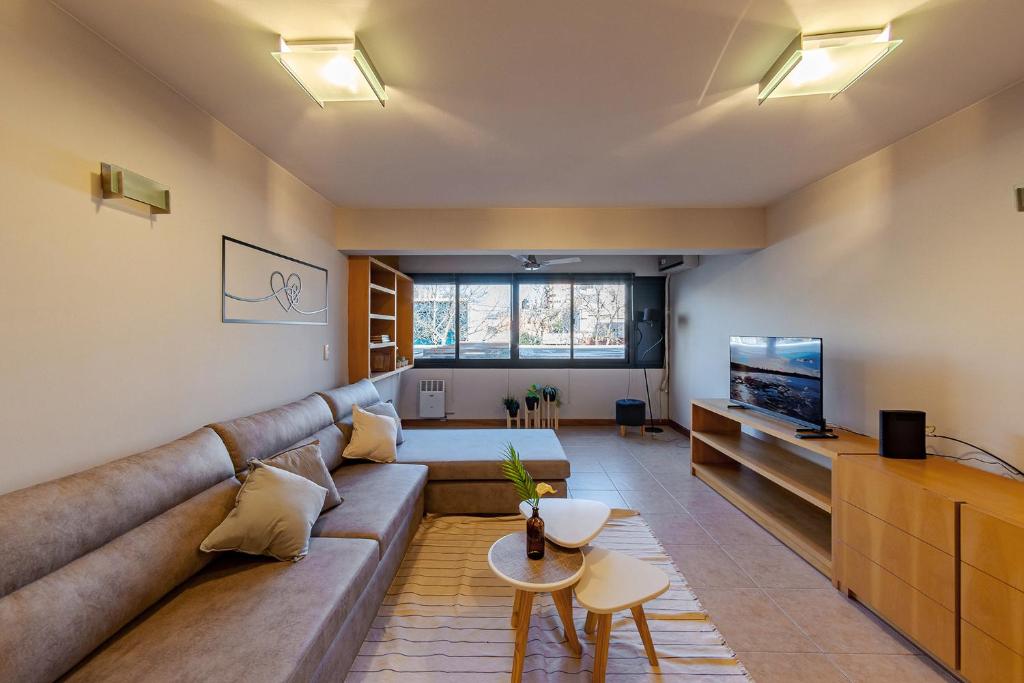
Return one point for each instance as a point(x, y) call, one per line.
point(515, 279)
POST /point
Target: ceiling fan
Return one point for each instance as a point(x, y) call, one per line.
point(531, 263)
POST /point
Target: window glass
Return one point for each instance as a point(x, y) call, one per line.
point(433, 326)
point(544, 320)
point(599, 321)
point(485, 321)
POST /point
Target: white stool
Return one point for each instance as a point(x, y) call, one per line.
point(611, 582)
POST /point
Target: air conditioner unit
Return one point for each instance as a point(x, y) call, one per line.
point(674, 264)
point(432, 398)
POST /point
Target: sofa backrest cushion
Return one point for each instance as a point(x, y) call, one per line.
point(272, 431)
point(86, 554)
point(332, 443)
point(44, 527)
point(363, 393)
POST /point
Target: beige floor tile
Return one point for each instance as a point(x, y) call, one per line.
point(581, 464)
point(621, 464)
point(677, 528)
point(591, 481)
point(750, 621)
point(901, 668)
point(837, 624)
point(636, 480)
point(776, 566)
point(732, 529)
point(706, 566)
point(774, 667)
point(658, 501)
point(609, 498)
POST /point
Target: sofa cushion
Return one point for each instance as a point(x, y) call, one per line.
point(388, 409)
point(374, 437)
point(242, 619)
point(273, 515)
point(307, 462)
point(46, 526)
point(377, 499)
point(363, 393)
point(47, 626)
point(332, 443)
point(475, 454)
point(272, 431)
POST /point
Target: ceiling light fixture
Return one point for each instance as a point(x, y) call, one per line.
point(825, 63)
point(332, 70)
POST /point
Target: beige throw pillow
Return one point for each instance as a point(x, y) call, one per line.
point(306, 461)
point(273, 515)
point(373, 437)
point(388, 409)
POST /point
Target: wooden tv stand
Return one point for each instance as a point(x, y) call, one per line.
point(781, 487)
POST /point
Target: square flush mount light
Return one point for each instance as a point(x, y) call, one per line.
point(332, 70)
point(825, 63)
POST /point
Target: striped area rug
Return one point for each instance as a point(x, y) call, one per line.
point(446, 617)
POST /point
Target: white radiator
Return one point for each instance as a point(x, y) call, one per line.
point(432, 398)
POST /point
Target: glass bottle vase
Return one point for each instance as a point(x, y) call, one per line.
point(535, 536)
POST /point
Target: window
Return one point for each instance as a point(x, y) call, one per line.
point(433, 321)
point(599, 320)
point(485, 321)
point(522, 320)
point(545, 320)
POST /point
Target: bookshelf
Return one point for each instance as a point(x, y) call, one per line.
point(379, 319)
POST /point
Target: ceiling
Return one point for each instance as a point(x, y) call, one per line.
point(566, 102)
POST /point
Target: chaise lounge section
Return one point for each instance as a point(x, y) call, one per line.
point(103, 578)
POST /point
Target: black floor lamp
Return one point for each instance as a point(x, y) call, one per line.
point(649, 316)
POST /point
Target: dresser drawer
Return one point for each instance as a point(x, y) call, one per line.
point(901, 503)
point(993, 545)
point(993, 606)
point(924, 620)
point(985, 660)
point(919, 564)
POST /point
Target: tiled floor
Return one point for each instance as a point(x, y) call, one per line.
point(781, 616)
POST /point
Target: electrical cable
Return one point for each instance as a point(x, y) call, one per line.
point(978, 449)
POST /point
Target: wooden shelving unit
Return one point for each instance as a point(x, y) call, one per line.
point(771, 475)
point(379, 302)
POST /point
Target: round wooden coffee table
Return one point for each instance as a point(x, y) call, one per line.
point(557, 573)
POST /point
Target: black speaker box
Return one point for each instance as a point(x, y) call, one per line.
point(902, 434)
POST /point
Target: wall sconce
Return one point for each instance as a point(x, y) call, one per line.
point(122, 183)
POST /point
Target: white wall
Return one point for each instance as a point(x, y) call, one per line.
point(638, 265)
point(908, 264)
point(477, 393)
point(111, 336)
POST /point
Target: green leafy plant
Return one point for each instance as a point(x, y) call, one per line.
point(514, 470)
point(533, 392)
point(511, 404)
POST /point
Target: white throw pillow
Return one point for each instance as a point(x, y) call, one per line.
point(388, 409)
point(273, 515)
point(373, 437)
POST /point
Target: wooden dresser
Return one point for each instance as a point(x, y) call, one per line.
point(937, 549)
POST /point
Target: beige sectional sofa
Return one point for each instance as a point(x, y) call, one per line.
point(102, 579)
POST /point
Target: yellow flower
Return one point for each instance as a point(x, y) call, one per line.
point(543, 488)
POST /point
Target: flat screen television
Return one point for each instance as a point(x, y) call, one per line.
point(778, 375)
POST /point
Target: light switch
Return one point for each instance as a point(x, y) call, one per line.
point(327, 351)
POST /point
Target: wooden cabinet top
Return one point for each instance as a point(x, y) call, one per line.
point(990, 492)
point(848, 442)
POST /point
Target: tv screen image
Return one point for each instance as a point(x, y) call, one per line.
point(780, 375)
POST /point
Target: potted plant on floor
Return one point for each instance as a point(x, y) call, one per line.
point(514, 470)
point(511, 404)
point(532, 397)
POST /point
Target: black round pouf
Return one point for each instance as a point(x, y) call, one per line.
point(629, 412)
